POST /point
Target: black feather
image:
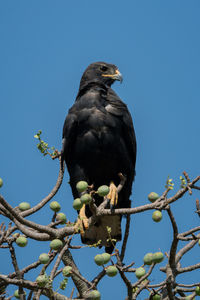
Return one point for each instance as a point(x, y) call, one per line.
point(99, 138)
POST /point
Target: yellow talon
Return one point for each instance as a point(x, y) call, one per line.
point(82, 221)
point(78, 227)
point(83, 217)
point(113, 195)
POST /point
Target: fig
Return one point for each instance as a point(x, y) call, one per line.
point(158, 257)
point(103, 190)
point(61, 217)
point(148, 259)
point(86, 198)
point(55, 206)
point(156, 297)
point(16, 294)
point(197, 290)
point(153, 196)
point(24, 206)
point(94, 295)
point(99, 260)
point(56, 244)
point(67, 271)
point(140, 272)
point(81, 186)
point(21, 241)
point(77, 204)
point(42, 280)
point(157, 216)
point(1, 182)
point(44, 258)
point(106, 258)
point(111, 271)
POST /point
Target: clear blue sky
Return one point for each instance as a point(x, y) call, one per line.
point(45, 47)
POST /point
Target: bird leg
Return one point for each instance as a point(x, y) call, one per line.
point(82, 221)
point(113, 195)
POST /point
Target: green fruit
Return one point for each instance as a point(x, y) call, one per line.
point(67, 271)
point(21, 241)
point(111, 271)
point(106, 258)
point(77, 204)
point(156, 297)
point(44, 258)
point(1, 182)
point(140, 272)
point(56, 244)
point(16, 294)
point(55, 206)
point(199, 242)
point(86, 198)
point(153, 197)
point(197, 291)
point(158, 257)
point(81, 186)
point(94, 295)
point(157, 216)
point(24, 206)
point(42, 280)
point(148, 259)
point(103, 190)
point(99, 260)
point(61, 217)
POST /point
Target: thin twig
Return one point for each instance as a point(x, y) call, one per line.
point(96, 280)
point(189, 268)
point(198, 207)
point(185, 249)
point(50, 195)
point(59, 260)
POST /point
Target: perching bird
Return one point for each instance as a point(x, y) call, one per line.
point(99, 143)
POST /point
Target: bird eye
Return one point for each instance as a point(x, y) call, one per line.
point(104, 68)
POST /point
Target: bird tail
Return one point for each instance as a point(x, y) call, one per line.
point(107, 228)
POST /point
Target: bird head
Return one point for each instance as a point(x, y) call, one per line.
point(101, 72)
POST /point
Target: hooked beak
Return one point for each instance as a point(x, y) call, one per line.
point(116, 76)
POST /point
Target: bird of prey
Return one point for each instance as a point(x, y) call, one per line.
point(99, 143)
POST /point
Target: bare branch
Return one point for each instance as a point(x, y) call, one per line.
point(80, 284)
point(14, 261)
point(96, 280)
point(127, 283)
point(189, 232)
point(174, 244)
point(198, 207)
point(186, 249)
point(189, 268)
point(58, 260)
point(50, 195)
point(23, 221)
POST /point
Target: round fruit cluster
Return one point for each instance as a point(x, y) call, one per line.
point(157, 214)
point(151, 258)
point(103, 259)
point(86, 198)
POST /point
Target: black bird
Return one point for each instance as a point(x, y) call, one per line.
point(99, 143)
